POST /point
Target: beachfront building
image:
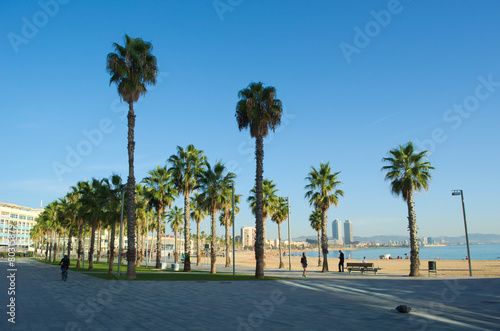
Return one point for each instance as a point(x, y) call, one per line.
point(337, 232)
point(248, 236)
point(348, 236)
point(23, 219)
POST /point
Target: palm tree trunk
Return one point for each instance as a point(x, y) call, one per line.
point(176, 255)
point(51, 245)
point(412, 227)
point(158, 250)
point(47, 248)
point(54, 255)
point(139, 247)
point(198, 242)
point(80, 248)
point(91, 249)
point(282, 265)
point(111, 250)
point(228, 259)
point(324, 241)
point(213, 256)
point(109, 241)
point(319, 250)
point(99, 245)
point(131, 195)
point(187, 233)
point(259, 223)
point(69, 243)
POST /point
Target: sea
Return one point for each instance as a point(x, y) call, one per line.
point(458, 252)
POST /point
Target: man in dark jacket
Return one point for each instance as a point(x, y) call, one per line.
point(341, 261)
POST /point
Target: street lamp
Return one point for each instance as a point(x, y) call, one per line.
point(289, 251)
point(461, 193)
point(232, 216)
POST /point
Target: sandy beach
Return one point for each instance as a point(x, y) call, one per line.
point(480, 268)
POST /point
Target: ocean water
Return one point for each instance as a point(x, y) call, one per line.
point(477, 252)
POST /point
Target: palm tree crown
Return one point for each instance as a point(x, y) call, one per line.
point(407, 170)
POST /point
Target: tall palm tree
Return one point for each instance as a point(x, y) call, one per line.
point(186, 167)
point(198, 213)
point(408, 171)
point(226, 219)
point(280, 214)
point(269, 200)
point(315, 219)
point(213, 183)
point(322, 193)
point(132, 67)
point(161, 193)
point(258, 110)
point(175, 216)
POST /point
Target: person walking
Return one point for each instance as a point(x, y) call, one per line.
point(303, 261)
point(341, 261)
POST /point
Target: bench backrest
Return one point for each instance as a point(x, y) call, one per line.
point(357, 264)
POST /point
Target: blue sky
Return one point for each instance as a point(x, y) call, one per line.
point(356, 79)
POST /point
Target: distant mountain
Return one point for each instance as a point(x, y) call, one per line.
point(474, 238)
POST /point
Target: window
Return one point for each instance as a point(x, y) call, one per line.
point(22, 217)
point(5, 213)
point(13, 215)
point(30, 218)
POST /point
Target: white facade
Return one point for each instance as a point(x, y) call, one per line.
point(248, 236)
point(23, 219)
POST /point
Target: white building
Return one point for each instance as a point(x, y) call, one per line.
point(248, 236)
point(23, 219)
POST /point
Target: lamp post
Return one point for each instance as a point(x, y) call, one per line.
point(121, 233)
point(289, 251)
point(461, 193)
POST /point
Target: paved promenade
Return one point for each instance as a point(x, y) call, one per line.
point(320, 302)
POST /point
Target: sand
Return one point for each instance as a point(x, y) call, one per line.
point(480, 268)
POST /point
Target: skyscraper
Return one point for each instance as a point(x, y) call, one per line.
point(348, 232)
point(337, 232)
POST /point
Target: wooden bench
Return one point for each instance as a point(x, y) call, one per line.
point(363, 267)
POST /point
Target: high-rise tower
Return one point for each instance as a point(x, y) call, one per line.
point(337, 232)
point(348, 238)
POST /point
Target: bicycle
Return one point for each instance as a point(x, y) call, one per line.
point(64, 274)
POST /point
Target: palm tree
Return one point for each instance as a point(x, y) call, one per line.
point(409, 171)
point(132, 68)
point(161, 193)
point(259, 111)
point(175, 216)
point(322, 193)
point(198, 213)
point(315, 219)
point(186, 167)
point(114, 190)
point(269, 199)
point(280, 214)
point(226, 219)
point(213, 183)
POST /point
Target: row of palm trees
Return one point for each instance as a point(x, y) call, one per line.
point(133, 67)
point(97, 204)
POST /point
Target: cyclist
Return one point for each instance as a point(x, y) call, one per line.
point(64, 266)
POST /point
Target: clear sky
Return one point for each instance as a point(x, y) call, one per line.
point(355, 78)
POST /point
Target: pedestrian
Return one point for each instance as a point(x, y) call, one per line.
point(303, 261)
point(341, 261)
point(364, 259)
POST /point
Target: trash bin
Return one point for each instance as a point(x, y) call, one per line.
point(175, 266)
point(163, 266)
point(432, 267)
